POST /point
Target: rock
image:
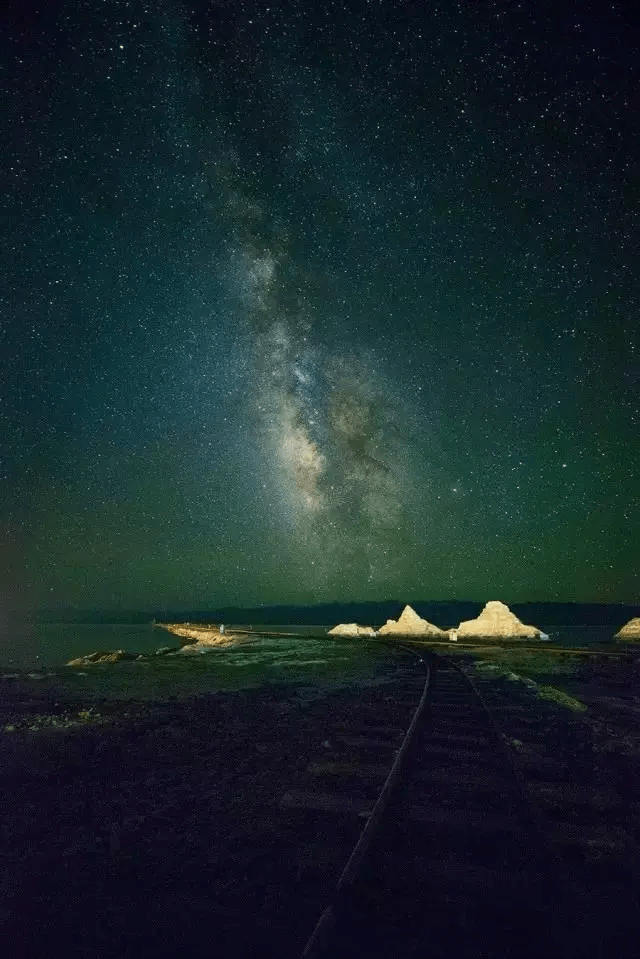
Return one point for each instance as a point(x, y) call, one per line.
point(410, 624)
point(92, 659)
point(497, 621)
point(116, 656)
point(194, 649)
point(630, 631)
point(352, 629)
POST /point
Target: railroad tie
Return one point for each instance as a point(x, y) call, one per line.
point(366, 742)
point(468, 819)
point(325, 802)
point(359, 770)
point(455, 739)
point(439, 752)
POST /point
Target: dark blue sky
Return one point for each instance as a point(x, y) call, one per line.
point(318, 301)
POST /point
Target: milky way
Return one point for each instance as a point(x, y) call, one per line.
point(325, 429)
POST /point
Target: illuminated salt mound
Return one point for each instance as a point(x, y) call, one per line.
point(410, 624)
point(211, 635)
point(630, 631)
point(497, 621)
point(352, 629)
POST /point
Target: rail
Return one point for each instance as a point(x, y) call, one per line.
point(318, 939)
point(335, 917)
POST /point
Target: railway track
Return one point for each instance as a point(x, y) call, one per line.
point(453, 851)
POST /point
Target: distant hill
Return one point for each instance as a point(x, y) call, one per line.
point(548, 616)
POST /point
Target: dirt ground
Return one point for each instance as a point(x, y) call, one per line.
point(155, 829)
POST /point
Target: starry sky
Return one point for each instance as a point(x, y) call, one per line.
point(312, 301)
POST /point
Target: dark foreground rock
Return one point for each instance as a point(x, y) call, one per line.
point(103, 656)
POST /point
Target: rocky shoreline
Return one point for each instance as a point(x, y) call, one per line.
point(194, 639)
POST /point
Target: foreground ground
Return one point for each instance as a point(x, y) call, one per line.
point(155, 829)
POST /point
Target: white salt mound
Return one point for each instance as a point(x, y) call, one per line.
point(497, 620)
point(410, 624)
point(630, 631)
point(352, 629)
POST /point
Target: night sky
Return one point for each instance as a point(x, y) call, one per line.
point(319, 301)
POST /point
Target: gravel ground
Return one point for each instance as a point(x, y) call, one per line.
point(134, 829)
point(155, 829)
